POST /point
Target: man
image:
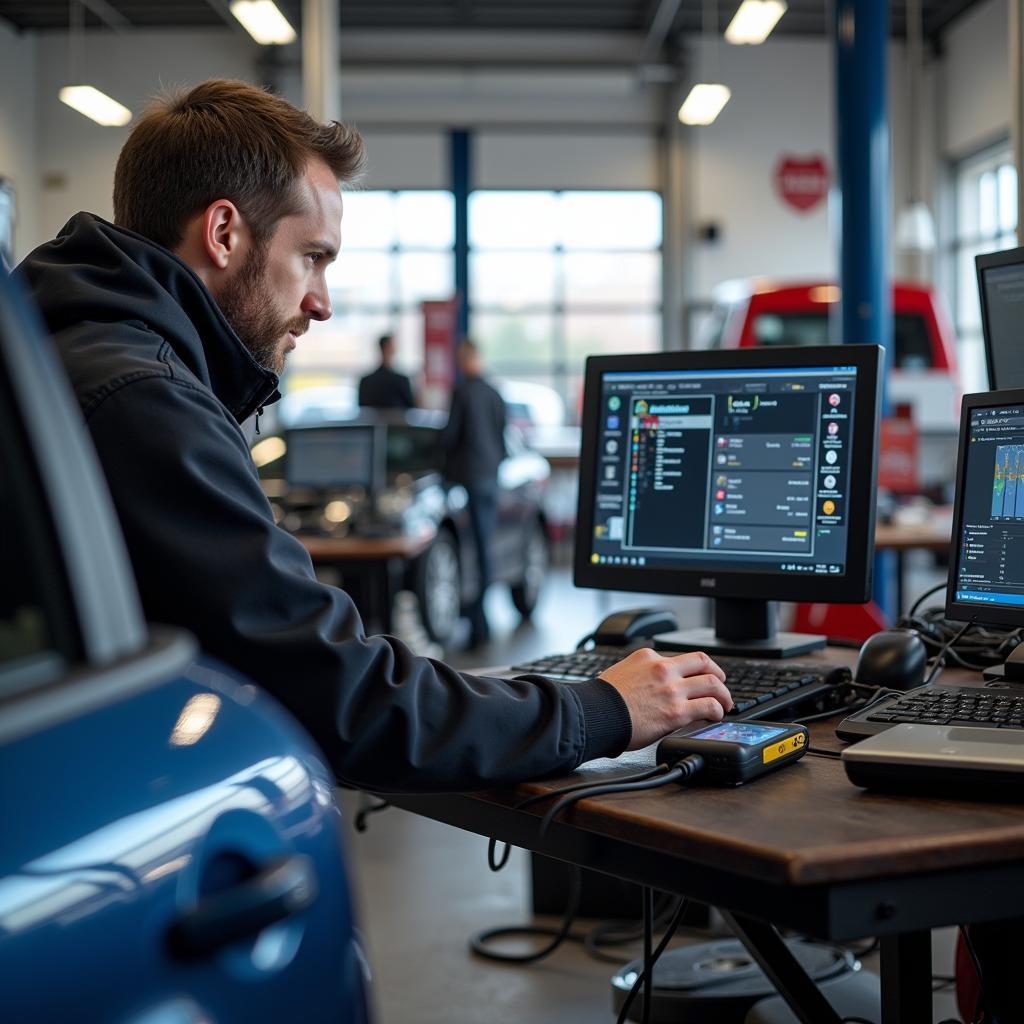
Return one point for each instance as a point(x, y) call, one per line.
point(174, 326)
point(474, 444)
point(386, 388)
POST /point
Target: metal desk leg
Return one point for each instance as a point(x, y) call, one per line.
point(765, 945)
point(906, 962)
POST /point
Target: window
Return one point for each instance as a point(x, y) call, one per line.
point(396, 251)
point(556, 276)
point(35, 611)
point(986, 221)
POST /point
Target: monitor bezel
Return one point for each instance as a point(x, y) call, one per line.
point(377, 450)
point(853, 587)
point(985, 262)
point(964, 611)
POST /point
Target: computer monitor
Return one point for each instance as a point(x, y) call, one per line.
point(986, 566)
point(1001, 293)
point(745, 475)
point(331, 458)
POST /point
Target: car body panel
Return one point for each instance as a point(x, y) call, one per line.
point(127, 816)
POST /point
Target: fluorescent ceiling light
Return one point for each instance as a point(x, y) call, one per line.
point(263, 21)
point(753, 22)
point(704, 103)
point(95, 104)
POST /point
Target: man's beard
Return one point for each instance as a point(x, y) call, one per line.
point(247, 305)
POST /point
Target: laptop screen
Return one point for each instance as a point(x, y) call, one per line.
point(990, 494)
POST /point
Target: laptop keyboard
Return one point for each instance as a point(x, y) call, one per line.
point(751, 683)
point(947, 705)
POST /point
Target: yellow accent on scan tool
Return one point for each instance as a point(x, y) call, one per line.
point(785, 746)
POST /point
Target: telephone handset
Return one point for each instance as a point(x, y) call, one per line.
point(630, 624)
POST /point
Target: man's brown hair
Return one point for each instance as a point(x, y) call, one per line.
point(223, 140)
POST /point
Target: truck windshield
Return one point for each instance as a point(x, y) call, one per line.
point(912, 347)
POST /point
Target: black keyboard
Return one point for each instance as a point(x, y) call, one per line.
point(760, 689)
point(940, 705)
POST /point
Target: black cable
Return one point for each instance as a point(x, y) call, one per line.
point(497, 865)
point(648, 945)
point(821, 752)
point(927, 593)
point(359, 823)
point(640, 979)
point(940, 658)
point(477, 943)
point(683, 770)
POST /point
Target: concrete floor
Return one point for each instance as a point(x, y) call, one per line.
point(424, 888)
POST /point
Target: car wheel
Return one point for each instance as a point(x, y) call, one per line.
point(526, 591)
point(438, 587)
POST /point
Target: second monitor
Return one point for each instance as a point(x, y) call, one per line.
point(747, 476)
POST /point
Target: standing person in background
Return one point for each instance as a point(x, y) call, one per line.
point(474, 445)
point(386, 388)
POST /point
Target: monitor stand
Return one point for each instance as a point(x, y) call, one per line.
point(744, 628)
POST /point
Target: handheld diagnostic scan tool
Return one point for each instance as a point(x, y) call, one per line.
point(737, 752)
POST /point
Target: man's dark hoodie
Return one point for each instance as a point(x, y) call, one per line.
point(164, 383)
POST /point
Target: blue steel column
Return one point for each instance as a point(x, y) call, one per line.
point(460, 185)
point(862, 147)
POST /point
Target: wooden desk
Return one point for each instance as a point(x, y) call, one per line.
point(932, 535)
point(802, 849)
point(373, 568)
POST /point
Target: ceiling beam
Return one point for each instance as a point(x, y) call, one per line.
point(107, 14)
point(661, 23)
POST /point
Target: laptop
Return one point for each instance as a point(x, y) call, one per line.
point(974, 729)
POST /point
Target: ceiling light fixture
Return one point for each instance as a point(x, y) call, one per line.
point(87, 99)
point(264, 22)
point(705, 100)
point(754, 21)
point(704, 103)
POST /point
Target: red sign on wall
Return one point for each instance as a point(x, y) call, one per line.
point(802, 181)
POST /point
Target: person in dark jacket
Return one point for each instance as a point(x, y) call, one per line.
point(386, 388)
point(474, 445)
point(174, 324)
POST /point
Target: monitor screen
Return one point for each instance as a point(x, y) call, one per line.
point(987, 574)
point(331, 458)
point(1001, 291)
point(744, 473)
point(748, 469)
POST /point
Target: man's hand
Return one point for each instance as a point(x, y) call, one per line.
point(664, 694)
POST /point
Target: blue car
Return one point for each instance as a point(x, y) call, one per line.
point(170, 843)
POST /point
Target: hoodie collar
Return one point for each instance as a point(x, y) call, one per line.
point(122, 275)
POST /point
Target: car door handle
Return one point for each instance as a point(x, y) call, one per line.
point(281, 889)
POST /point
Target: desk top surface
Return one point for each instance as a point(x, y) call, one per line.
point(804, 825)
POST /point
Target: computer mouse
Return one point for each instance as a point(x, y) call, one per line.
point(894, 658)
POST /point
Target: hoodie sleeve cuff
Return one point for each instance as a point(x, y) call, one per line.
point(606, 717)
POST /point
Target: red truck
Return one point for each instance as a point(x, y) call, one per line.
point(925, 373)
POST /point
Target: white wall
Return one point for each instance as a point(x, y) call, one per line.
point(976, 87)
point(18, 135)
point(782, 103)
point(76, 156)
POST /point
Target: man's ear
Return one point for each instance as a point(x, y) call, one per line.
point(224, 234)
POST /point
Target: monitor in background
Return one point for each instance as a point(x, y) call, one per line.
point(1001, 294)
point(986, 569)
point(333, 458)
point(745, 475)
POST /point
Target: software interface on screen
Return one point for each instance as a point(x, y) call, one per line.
point(990, 566)
point(327, 458)
point(725, 469)
point(1004, 302)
